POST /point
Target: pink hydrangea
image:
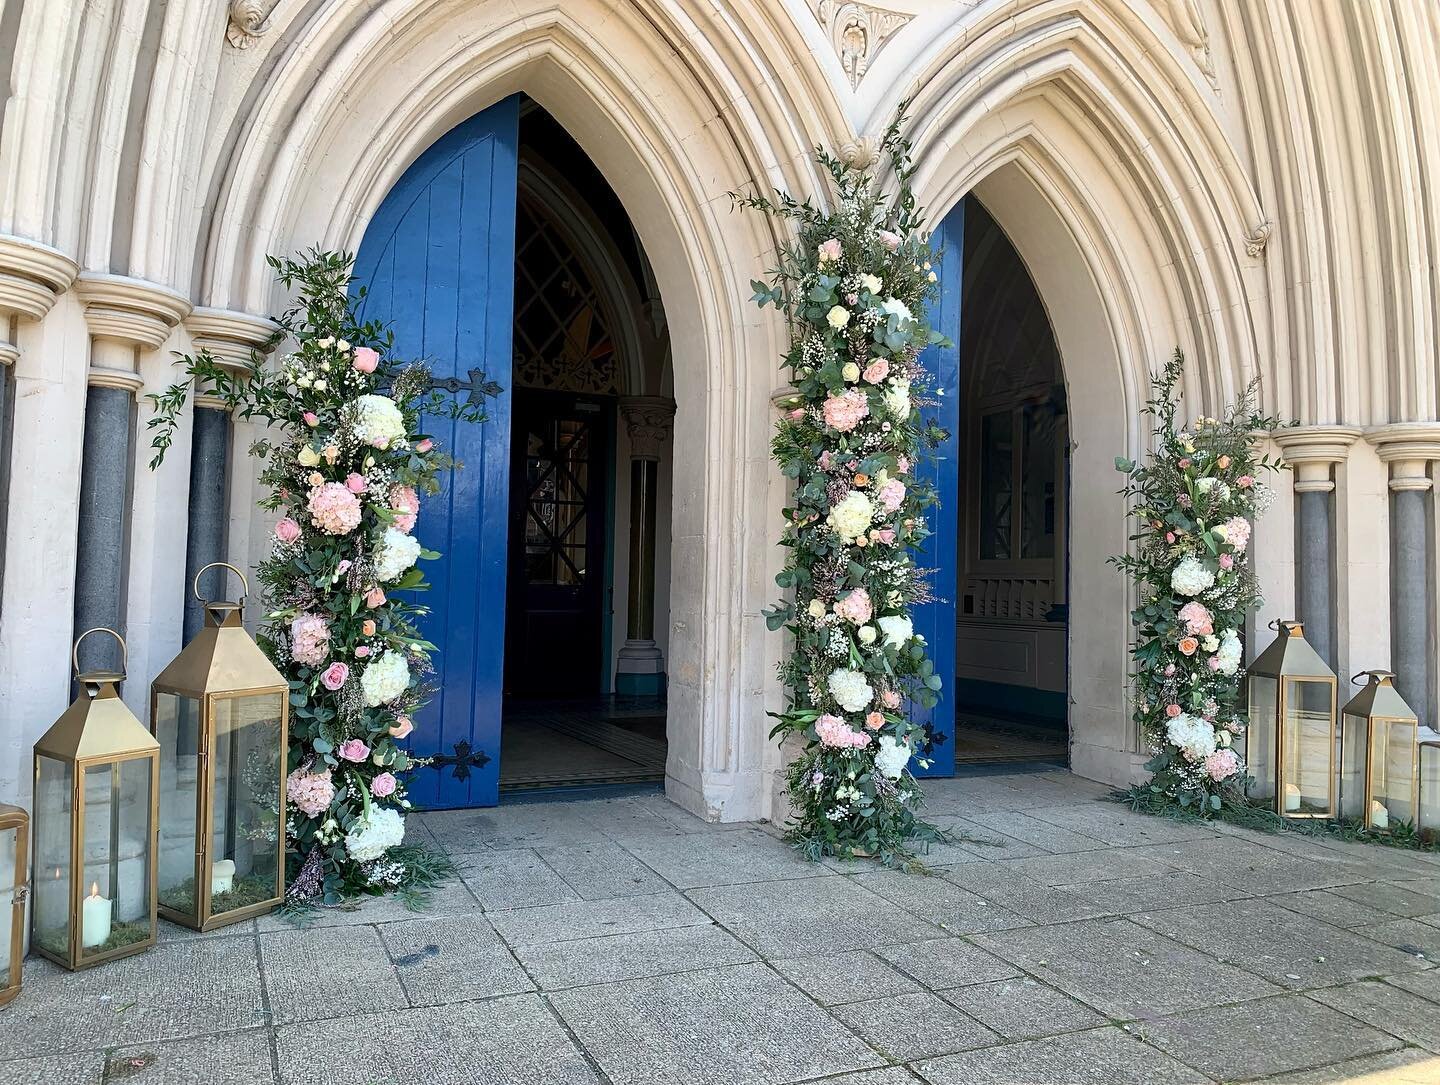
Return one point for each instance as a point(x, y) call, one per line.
point(844, 412)
point(892, 495)
point(334, 509)
point(406, 505)
point(383, 785)
point(854, 607)
point(1222, 764)
point(833, 731)
point(309, 639)
point(877, 370)
point(334, 676)
point(1198, 622)
point(352, 749)
point(1237, 532)
point(310, 792)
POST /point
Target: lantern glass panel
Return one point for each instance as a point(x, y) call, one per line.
point(50, 911)
point(177, 729)
point(9, 856)
point(1429, 820)
point(1308, 746)
point(1260, 736)
point(115, 905)
point(246, 820)
point(1392, 773)
point(1355, 746)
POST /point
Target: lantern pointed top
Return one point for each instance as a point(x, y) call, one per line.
point(1378, 698)
point(1290, 655)
point(221, 659)
point(97, 725)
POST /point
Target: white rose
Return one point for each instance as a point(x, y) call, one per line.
point(872, 283)
point(838, 317)
point(851, 372)
point(342, 345)
point(897, 398)
point(816, 609)
point(867, 634)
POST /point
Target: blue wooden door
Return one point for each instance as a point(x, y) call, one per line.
point(935, 621)
point(439, 262)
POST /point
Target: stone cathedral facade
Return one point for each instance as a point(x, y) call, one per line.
point(1254, 181)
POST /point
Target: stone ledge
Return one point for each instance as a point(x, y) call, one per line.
point(229, 334)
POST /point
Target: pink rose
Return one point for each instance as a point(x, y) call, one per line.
point(1172, 710)
point(1184, 462)
point(403, 726)
point(902, 464)
point(890, 698)
point(424, 446)
point(380, 442)
point(875, 721)
point(334, 676)
point(1169, 670)
point(287, 530)
point(1245, 482)
point(1223, 462)
point(1227, 561)
point(1214, 663)
point(355, 483)
point(1188, 646)
point(361, 651)
point(374, 598)
point(889, 239)
point(829, 250)
point(797, 414)
point(365, 360)
point(368, 628)
point(884, 535)
point(311, 418)
point(382, 785)
point(877, 370)
point(352, 749)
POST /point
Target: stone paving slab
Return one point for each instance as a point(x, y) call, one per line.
point(452, 898)
point(742, 1025)
point(940, 901)
point(1123, 970)
point(235, 1058)
point(1107, 1056)
point(1021, 1008)
point(1408, 1016)
point(452, 959)
point(891, 1075)
point(1006, 887)
point(1263, 1037)
point(1084, 867)
point(886, 1024)
point(505, 1041)
point(1246, 863)
point(1117, 826)
point(1413, 937)
point(832, 979)
point(1408, 1066)
point(1329, 907)
point(592, 919)
point(82, 1068)
point(555, 965)
point(742, 856)
point(1397, 900)
point(321, 973)
point(1424, 984)
point(1287, 949)
point(518, 878)
point(1128, 896)
point(942, 963)
point(1044, 836)
point(600, 871)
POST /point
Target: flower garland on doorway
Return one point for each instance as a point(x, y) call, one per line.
point(1194, 503)
point(345, 467)
point(853, 285)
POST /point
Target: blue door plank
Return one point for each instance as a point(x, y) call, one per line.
point(438, 261)
point(935, 621)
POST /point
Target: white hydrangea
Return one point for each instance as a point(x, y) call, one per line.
point(1191, 577)
point(850, 689)
point(851, 516)
point(897, 398)
point(1230, 652)
point(892, 757)
point(897, 308)
point(385, 679)
point(897, 629)
point(398, 551)
point(1193, 736)
point(872, 283)
point(378, 421)
point(371, 837)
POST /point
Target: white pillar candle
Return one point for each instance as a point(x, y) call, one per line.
point(1292, 798)
point(94, 918)
point(1379, 815)
point(222, 877)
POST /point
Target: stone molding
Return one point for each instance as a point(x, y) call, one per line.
point(1409, 448)
point(32, 276)
point(647, 421)
point(229, 335)
point(1312, 450)
point(132, 311)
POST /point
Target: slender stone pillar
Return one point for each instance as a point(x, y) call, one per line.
point(230, 338)
point(1409, 449)
point(1312, 452)
point(640, 669)
point(125, 317)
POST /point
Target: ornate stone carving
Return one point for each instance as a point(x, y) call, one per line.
point(858, 32)
point(1258, 238)
point(647, 421)
point(860, 153)
point(1188, 23)
point(249, 21)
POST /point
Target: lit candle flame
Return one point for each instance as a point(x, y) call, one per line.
point(94, 890)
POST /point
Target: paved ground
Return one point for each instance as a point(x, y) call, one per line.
point(623, 941)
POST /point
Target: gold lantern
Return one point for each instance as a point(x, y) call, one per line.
point(1381, 755)
point(1290, 742)
point(97, 774)
point(1427, 816)
point(220, 712)
point(14, 826)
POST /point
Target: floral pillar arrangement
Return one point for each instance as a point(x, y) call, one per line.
point(1193, 504)
point(853, 286)
point(345, 463)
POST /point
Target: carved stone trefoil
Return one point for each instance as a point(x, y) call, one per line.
point(1258, 238)
point(249, 21)
point(858, 32)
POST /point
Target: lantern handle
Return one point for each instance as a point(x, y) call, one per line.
point(244, 584)
point(1378, 675)
point(124, 652)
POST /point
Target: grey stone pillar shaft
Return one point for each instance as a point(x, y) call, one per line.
point(640, 668)
point(1410, 634)
point(644, 477)
point(1315, 564)
point(205, 543)
point(100, 534)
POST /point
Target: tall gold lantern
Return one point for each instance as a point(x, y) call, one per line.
point(97, 775)
point(14, 834)
point(1380, 760)
point(1290, 743)
point(220, 712)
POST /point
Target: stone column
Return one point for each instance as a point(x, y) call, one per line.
point(640, 670)
point(1312, 452)
point(32, 277)
point(125, 317)
point(230, 338)
point(1409, 448)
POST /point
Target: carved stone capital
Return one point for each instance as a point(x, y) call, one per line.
point(131, 311)
point(1409, 448)
point(32, 277)
point(249, 22)
point(647, 422)
point(229, 335)
point(1312, 450)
